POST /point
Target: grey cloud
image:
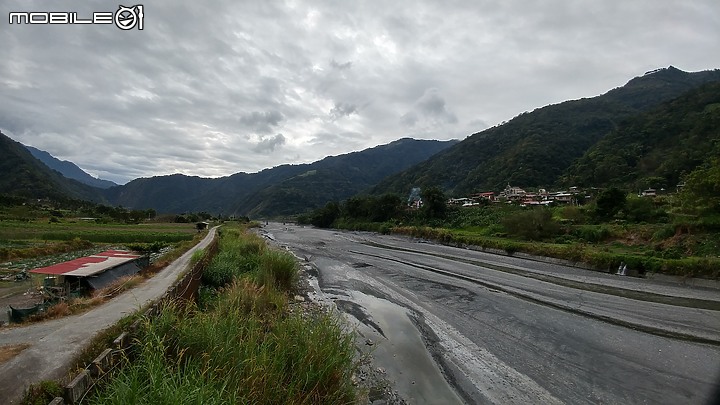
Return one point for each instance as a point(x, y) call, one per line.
point(262, 122)
point(349, 140)
point(343, 110)
point(270, 144)
point(477, 125)
point(429, 108)
point(409, 119)
point(210, 80)
point(340, 66)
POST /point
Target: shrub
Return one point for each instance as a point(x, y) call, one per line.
point(535, 224)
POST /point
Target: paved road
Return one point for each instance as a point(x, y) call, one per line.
point(54, 344)
point(454, 325)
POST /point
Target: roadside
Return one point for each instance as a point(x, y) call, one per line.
point(54, 344)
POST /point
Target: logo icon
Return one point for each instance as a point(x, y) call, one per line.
point(126, 18)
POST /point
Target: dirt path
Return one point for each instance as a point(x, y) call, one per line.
point(51, 347)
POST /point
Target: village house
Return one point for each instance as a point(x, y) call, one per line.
point(512, 193)
point(487, 196)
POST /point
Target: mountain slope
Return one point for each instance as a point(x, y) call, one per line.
point(282, 190)
point(656, 148)
point(23, 175)
point(339, 177)
point(68, 169)
point(536, 148)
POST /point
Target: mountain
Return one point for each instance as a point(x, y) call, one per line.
point(69, 169)
point(282, 190)
point(536, 148)
point(656, 148)
point(23, 175)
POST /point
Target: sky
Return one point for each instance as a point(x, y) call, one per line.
point(212, 88)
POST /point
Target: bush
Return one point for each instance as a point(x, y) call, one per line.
point(535, 224)
point(644, 210)
point(592, 233)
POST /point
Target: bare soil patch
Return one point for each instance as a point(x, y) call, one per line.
point(10, 351)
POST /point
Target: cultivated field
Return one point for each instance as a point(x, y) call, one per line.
point(26, 245)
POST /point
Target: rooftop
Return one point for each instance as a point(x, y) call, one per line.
point(89, 265)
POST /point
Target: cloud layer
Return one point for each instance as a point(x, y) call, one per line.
point(213, 88)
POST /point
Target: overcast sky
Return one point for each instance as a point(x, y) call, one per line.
point(211, 88)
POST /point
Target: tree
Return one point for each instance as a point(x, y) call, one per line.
point(702, 188)
point(324, 217)
point(386, 207)
point(433, 200)
point(609, 202)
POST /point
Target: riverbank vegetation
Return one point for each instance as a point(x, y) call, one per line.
point(672, 234)
point(239, 343)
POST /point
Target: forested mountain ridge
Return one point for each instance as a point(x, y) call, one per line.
point(657, 148)
point(23, 175)
point(286, 189)
point(68, 169)
point(535, 149)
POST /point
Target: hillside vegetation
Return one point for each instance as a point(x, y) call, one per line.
point(68, 169)
point(24, 176)
point(287, 189)
point(655, 149)
point(536, 149)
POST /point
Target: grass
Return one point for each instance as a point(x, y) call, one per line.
point(99, 233)
point(601, 256)
point(79, 305)
point(42, 393)
point(240, 345)
point(19, 239)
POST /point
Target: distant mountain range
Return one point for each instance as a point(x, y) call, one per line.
point(69, 169)
point(539, 148)
point(23, 175)
point(282, 190)
point(647, 133)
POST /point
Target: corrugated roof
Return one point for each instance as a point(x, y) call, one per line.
point(89, 265)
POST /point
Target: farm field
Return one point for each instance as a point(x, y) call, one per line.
point(21, 232)
point(26, 245)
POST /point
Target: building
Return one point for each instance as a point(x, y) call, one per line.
point(91, 272)
point(651, 192)
point(513, 193)
point(488, 195)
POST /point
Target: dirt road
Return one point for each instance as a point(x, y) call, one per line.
point(54, 344)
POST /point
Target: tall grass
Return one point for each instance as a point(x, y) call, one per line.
point(243, 348)
point(277, 269)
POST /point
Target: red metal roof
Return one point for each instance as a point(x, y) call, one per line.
point(89, 265)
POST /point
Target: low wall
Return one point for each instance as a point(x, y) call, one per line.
point(185, 289)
